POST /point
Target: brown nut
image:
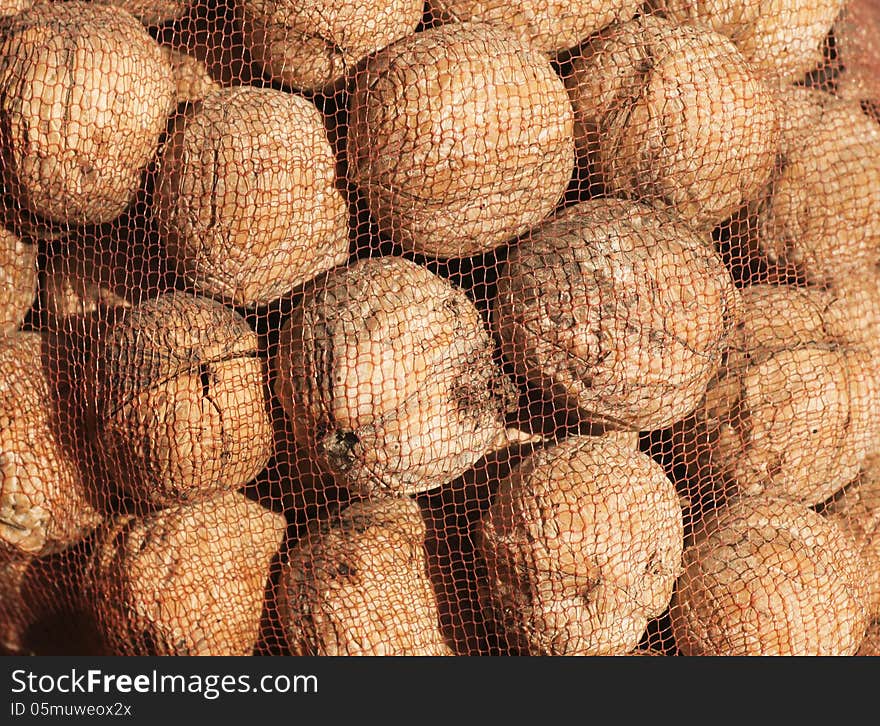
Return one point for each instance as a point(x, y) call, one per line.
point(791, 412)
point(460, 137)
point(311, 44)
point(192, 79)
point(783, 40)
point(186, 580)
point(18, 279)
point(768, 576)
point(857, 510)
point(386, 372)
point(871, 642)
point(358, 585)
point(85, 96)
point(44, 506)
point(549, 25)
point(246, 196)
point(673, 113)
point(180, 409)
point(582, 545)
point(617, 310)
point(152, 12)
point(819, 218)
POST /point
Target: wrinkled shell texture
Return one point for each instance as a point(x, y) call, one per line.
point(186, 580)
point(857, 511)
point(18, 280)
point(192, 79)
point(549, 25)
point(358, 585)
point(313, 44)
point(180, 406)
point(460, 137)
point(769, 577)
point(85, 96)
point(44, 506)
point(386, 372)
point(582, 545)
point(618, 309)
point(674, 114)
point(820, 215)
point(152, 12)
point(792, 412)
point(246, 196)
point(781, 38)
point(857, 43)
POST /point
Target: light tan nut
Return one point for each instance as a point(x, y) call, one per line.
point(460, 137)
point(44, 504)
point(18, 279)
point(791, 412)
point(783, 39)
point(768, 576)
point(871, 642)
point(180, 406)
point(246, 196)
point(187, 580)
point(312, 44)
point(582, 545)
point(387, 375)
point(673, 113)
point(192, 79)
point(86, 94)
point(358, 585)
point(857, 510)
point(819, 218)
point(617, 310)
point(152, 12)
point(549, 25)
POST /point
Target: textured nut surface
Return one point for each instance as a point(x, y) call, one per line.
point(857, 511)
point(43, 502)
point(151, 12)
point(186, 580)
point(783, 38)
point(582, 545)
point(18, 279)
point(673, 113)
point(549, 25)
point(180, 406)
point(792, 411)
point(856, 32)
point(192, 79)
point(246, 196)
point(871, 642)
point(358, 585)
point(819, 218)
point(312, 44)
point(460, 137)
point(617, 309)
point(85, 96)
point(768, 576)
point(386, 372)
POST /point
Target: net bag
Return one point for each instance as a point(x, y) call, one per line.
point(458, 327)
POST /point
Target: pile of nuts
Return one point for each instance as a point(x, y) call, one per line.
point(456, 327)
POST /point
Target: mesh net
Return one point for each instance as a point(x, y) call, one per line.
point(467, 327)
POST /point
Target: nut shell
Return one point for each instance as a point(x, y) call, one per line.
point(246, 196)
point(359, 585)
point(582, 545)
point(187, 580)
point(618, 310)
point(180, 403)
point(768, 576)
point(312, 44)
point(460, 137)
point(44, 504)
point(675, 114)
point(86, 93)
point(18, 280)
point(387, 375)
